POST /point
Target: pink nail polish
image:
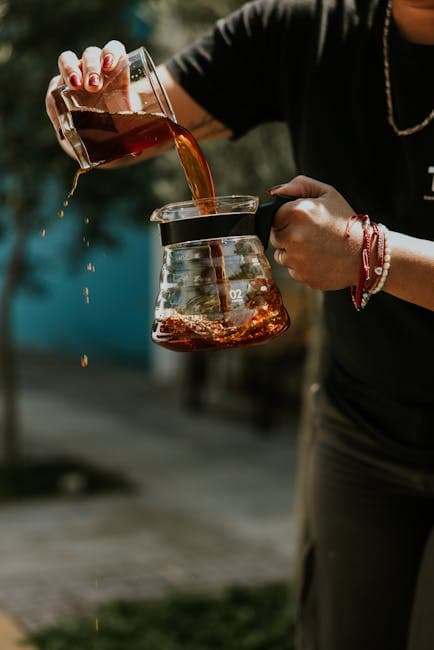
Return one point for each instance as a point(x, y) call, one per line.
point(93, 80)
point(107, 61)
point(74, 80)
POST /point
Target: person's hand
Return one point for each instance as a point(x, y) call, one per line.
point(91, 73)
point(309, 235)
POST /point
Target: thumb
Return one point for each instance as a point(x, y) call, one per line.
point(301, 186)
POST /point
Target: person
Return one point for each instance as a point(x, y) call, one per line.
point(353, 80)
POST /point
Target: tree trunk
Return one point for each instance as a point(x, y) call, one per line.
point(8, 359)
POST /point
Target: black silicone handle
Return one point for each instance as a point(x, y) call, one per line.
point(265, 215)
point(224, 225)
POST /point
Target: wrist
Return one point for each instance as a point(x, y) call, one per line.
point(354, 251)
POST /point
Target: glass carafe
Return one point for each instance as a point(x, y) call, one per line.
point(216, 287)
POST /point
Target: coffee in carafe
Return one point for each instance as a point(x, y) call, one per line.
point(190, 313)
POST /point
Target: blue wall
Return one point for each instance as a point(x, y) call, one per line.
point(115, 325)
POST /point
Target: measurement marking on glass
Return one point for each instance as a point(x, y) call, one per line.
point(236, 295)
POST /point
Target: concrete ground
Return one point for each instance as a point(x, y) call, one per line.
point(212, 505)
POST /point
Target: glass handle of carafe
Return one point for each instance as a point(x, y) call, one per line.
point(265, 214)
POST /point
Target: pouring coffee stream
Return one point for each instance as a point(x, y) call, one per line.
point(110, 136)
point(216, 286)
point(228, 238)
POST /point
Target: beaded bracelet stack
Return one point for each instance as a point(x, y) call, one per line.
point(373, 235)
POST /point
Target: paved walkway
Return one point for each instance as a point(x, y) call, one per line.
point(212, 506)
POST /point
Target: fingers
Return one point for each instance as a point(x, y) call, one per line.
point(91, 69)
point(112, 54)
point(292, 215)
point(302, 186)
point(84, 73)
point(95, 67)
point(116, 71)
point(307, 189)
point(69, 68)
point(281, 256)
point(277, 238)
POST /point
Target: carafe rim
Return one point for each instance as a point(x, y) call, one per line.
point(227, 204)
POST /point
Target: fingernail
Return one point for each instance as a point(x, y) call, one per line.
point(107, 61)
point(93, 80)
point(271, 190)
point(61, 136)
point(74, 79)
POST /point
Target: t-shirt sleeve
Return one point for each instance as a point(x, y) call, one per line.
point(238, 71)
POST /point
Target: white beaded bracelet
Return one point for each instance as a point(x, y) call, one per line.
point(387, 259)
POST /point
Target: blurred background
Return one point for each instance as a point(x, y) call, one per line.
point(146, 474)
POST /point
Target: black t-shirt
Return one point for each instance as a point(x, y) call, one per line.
point(318, 67)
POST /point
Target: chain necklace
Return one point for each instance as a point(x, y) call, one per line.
point(390, 112)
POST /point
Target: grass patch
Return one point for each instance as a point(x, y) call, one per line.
point(57, 477)
point(243, 618)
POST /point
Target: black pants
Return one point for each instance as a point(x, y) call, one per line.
point(368, 579)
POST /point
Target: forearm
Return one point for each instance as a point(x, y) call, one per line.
point(411, 275)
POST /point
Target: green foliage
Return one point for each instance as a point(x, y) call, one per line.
point(244, 618)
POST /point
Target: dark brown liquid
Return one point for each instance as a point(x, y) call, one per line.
point(250, 326)
point(110, 136)
point(75, 180)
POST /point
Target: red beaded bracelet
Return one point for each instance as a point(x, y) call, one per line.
point(357, 290)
